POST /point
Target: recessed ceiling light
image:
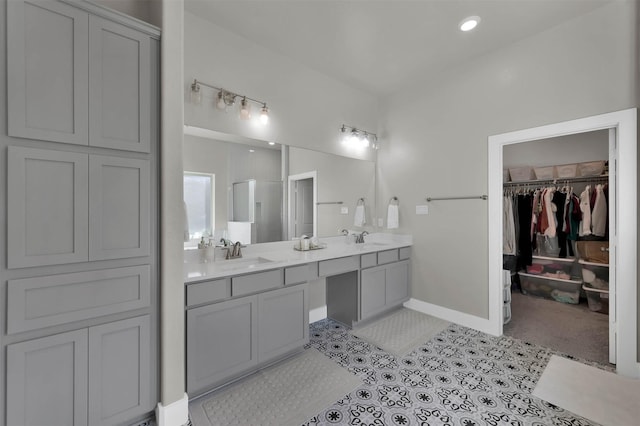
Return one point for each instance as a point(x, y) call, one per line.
point(252, 150)
point(467, 24)
point(272, 143)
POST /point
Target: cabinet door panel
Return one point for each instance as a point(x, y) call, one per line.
point(47, 56)
point(119, 86)
point(221, 342)
point(372, 291)
point(118, 207)
point(283, 321)
point(119, 371)
point(47, 207)
point(47, 381)
point(397, 283)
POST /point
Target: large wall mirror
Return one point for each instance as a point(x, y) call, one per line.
point(251, 191)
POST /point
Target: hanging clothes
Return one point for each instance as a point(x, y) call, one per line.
point(599, 213)
point(585, 208)
point(508, 225)
point(558, 201)
point(524, 248)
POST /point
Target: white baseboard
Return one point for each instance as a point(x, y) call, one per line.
point(174, 414)
point(471, 321)
point(317, 314)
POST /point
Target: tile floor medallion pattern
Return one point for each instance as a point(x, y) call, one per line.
point(460, 377)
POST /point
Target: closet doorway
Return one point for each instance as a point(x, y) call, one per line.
point(622, 157)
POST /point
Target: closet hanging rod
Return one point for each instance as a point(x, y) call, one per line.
point(472, 197)
point(328, 202)
point(556, 181)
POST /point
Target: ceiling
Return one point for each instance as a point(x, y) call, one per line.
point(380, 46)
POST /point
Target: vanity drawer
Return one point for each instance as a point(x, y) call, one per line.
point(208, 291)
point(338, 266)
point(387, 256)
point(368, 260)
point(296, 274)
point(405, 253)
point(253, 283)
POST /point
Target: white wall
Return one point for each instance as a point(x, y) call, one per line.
point(306, 107)
point(438, 142)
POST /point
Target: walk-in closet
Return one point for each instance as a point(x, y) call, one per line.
point(556, 216)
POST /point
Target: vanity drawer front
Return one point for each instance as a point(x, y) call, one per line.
point(387, 256)
point(405, 253)
point(208, 291)
point(253, 283)
point(368, 260)
point(338, 266)
point(296, 274)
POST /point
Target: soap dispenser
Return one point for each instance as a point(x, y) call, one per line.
point(202, 244)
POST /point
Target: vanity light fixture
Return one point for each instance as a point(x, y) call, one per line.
point(225, 99)
point(469, 23)
point(355, 137)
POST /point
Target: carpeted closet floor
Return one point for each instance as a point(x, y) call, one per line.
point(571, 329)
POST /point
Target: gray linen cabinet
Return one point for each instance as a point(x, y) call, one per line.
point(80, 320)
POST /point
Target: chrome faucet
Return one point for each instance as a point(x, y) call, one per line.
point(360, 237)
point(233, 250)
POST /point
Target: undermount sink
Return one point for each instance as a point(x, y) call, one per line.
point(372, 244)
point(242, 263)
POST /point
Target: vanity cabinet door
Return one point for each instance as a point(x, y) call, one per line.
point(222, 342)
point(119, 86)
point(47, 206)
point(372, 291)
point(47, 380)
point(397, 283)
point(47, 57)
point(119, 207)
point(119, 371)
point(283, 321)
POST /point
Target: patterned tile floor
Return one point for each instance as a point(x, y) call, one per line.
point(460, 377)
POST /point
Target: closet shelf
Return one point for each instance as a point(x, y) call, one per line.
point(556, 181)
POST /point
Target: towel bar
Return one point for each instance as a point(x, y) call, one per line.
point(473, 197)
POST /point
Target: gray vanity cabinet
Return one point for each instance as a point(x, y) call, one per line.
point(47, 207)
point(47, 63)
point(47, 380)
point(57, 54)
point(95, 376)
point(222, 342)
point(119, 86)
point(119, 202)
point(383, 287)
point(283, 321)
point(119, 371)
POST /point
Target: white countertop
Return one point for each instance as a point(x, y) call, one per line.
point(262, 257)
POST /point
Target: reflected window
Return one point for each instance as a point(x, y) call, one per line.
point(199, 202)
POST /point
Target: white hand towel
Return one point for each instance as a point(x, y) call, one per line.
point(359, 218)
point(393, 219)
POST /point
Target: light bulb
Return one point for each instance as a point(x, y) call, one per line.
point(196, 93)
point(220, 103)
point(469, 23)
point(354, 140)
point(245, 114)
point(364, 140)
point(264, 114)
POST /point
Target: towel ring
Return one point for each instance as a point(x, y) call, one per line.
point(360, 202)
point(394, 200)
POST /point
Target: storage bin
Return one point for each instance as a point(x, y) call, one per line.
point(566, 291)
point(519, 174)
point(567, 170)
point(547, 172)
point(547, 246)
point(506, 311)
point(591, 168)
point(543, 264)
point(595, 274)
point(597, 299)
point(593, 251)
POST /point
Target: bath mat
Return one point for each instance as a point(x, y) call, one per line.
point(598, 395)
point(289, 393)
point(400, 332)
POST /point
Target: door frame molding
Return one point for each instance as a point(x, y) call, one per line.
point(626, 300)
point(291, 180)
